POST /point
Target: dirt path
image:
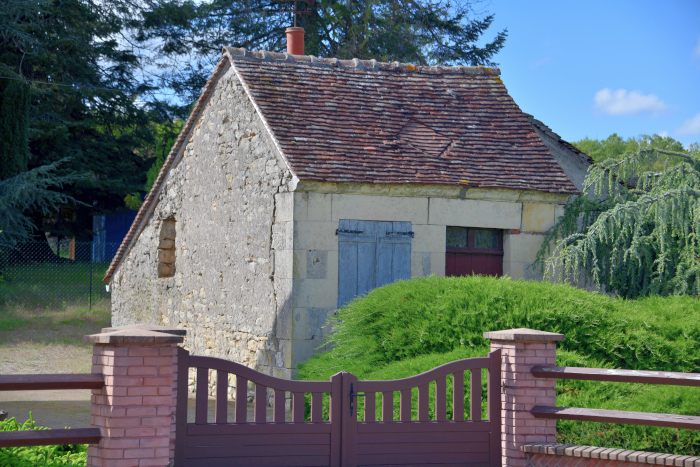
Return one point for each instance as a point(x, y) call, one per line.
point(60, 408)
point(53, 409)
point(36, 342)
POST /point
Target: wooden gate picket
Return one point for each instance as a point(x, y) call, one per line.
point(341, 441)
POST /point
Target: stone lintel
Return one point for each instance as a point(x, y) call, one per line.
point(131, 336)
point(524, 335)
point(147, 327)
point(611, 454)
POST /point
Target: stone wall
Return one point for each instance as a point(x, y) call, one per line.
point(251, 269)
point(221, 195)
point(317, 208)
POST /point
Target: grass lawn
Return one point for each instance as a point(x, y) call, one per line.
point(44, 314)
point(412, 326)
point(52, 286)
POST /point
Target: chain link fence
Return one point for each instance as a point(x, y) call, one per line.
point(55, 274)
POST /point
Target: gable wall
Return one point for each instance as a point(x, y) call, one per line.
point(222, 196)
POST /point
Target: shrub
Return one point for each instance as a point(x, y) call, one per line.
point(40, 456)
point(411, 326)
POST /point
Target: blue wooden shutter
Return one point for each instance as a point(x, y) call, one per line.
point(357, 250)
point(371, 254)
point(394, 252)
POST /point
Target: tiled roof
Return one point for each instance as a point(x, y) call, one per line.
point(369, 122)
point(363, 121)
point(548, 131)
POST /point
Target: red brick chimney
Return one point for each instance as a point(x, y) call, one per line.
point(295, 41)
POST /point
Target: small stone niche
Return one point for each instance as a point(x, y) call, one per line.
point(166, 249)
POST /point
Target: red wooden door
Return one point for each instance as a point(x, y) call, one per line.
point(474, 251)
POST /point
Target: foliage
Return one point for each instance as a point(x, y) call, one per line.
point(438, 315)
point(165, 139)
point(40, 456)
point(165, 135)
point(412, 326)
point(39, 189)
point(14, 128)
point(631, 231)
point(87, 105)
point(188, 36)
point(615, 147)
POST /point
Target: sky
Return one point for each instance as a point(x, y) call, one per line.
point(591, 68)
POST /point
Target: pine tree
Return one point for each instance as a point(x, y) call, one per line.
point(14, 127)
point(188, 36)
point(87, 107)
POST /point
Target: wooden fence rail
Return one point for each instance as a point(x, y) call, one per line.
point(616, 416)
point(46, 382)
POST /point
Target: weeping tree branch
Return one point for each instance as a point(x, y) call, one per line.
point(636, 241)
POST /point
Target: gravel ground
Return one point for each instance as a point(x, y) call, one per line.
point(59, 408)
point(53, 409)
point(40, 341)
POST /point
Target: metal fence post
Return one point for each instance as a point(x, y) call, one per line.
point(92, 257)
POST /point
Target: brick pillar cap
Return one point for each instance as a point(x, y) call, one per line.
point(134, 336)
point(524, 334)
point(147, 327)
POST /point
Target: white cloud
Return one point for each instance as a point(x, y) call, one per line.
point(690, 126)
point(621, 102)
point(663, 134)
point(697, 48)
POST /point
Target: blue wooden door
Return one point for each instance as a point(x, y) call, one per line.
point(371, 254)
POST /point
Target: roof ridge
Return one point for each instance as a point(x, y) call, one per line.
point(549, 132)
point(236, 54)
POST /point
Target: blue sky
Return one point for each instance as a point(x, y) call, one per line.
point(590, 68)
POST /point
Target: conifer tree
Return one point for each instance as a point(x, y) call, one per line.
point(632, 232)
point(189, 36)
point(14, 128)
point(86, 106)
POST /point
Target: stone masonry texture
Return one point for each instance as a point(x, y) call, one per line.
point(222, 198)
point(251, 268)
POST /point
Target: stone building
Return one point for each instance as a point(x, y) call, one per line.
point(299, 183)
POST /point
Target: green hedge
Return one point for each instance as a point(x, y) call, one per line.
point(411, 326)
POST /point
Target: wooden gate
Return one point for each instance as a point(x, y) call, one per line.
point(322, 428)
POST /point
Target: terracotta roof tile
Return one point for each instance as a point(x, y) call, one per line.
point(369, 122)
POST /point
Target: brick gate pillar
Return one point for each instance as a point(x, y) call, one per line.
point(135, 408)
point(520, 391)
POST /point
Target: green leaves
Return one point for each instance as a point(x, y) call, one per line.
point(37, 190)
point(437, 315)
point(634, 229)
point(409, 327)
point(39, 456)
